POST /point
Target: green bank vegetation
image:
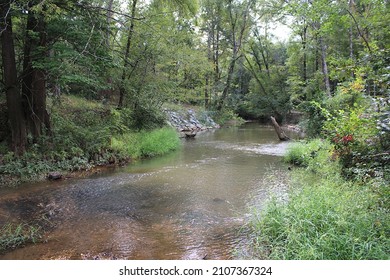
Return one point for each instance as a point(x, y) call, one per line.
point(338, 202)
point(86, 134)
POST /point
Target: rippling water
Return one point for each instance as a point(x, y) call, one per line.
point(190, 204)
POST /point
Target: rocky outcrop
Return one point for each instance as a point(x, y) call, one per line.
point(189, 123)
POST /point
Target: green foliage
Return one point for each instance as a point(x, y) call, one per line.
point(158, 142)
point(304, 153)
point(325, 216)
point(316, 115)
point(145, 143)
point(148, 117)
point(127, 145)
point(357, 142)
point(226, 116)
point(12, 236)
point(86, 134)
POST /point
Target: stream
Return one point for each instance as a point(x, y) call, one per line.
point(189, 204)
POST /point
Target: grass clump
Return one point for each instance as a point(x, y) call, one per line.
point(325, 217)
point(302, 153)
point(145, 143)
point(159, 142)
point(13, 236)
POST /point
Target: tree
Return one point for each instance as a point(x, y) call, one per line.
point(239, 21)
point(122, 88)
point(14, 104)
point(34, 74)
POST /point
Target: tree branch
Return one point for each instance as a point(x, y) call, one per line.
point(359, 31)
point(110, 11)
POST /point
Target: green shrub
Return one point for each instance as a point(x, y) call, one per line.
point(303, 153)
point(127, 145)
point(315, 117)
point(226, 116)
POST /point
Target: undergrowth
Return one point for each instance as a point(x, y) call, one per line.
point(326, 216)
point(87, 134)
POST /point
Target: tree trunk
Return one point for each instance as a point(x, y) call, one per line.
point(34, 78)
point(14, 103)
point(108, 19)
point(122, 89)
point(282, 136)
point(215, 39)
point(236, 46)
point(304, 43)
point(324, 65)
point(228, 82)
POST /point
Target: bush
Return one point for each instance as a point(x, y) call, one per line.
point(358, 142)
point(315, 117)
point(127, 145)
point(302, 153)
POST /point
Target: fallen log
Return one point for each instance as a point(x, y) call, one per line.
point(281, 134)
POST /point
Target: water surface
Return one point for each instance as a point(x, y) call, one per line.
point(190, 204)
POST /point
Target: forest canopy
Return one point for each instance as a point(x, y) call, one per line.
point(219, 54)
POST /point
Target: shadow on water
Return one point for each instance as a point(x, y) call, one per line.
point(190, 204)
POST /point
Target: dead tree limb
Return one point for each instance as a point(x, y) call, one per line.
point(282, 136)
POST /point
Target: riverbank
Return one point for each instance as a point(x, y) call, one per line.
point(87, 135)
point(326, 216)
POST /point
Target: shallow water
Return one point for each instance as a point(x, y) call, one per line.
point(190, 204)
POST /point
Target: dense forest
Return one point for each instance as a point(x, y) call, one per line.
point(87, 83)
point(139, 55)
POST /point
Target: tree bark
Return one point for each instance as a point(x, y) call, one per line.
point(324, 65)
point(34, 78)
point(281, 135)
point(304, 43)
point(14, 103)
point(122, 89)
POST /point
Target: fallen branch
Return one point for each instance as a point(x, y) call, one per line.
point(281, 134)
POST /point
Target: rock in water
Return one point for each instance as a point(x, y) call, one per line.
point(54, 176)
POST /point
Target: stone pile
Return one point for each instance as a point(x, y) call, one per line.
point(189, 123)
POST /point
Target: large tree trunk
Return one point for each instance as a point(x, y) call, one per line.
point(14, 105)
point(34, 78)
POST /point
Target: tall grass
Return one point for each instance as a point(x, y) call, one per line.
point(146, 143)
point(13, 236)
point(325, 217)
point(159, 142)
